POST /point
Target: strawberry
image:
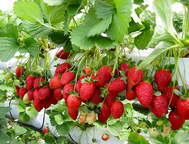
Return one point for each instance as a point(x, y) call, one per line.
point(91, 117)
point(131, 94)
point(45, 92)
point(73, 102)
point(19, 71)
point(175, 120)
point(62, 54)
point(168, 93)
point(145, 93)
point(62, 68)
point(182, 107)
point(125, 68)
point(49, 101)
point(55, 82)
point(117, 85)
point(109, 100)
point(36, 94)
point(105, 137)
point(67, 77)
point(117, 109)
point(96, 96)
point(45, 130)
point(134, 77)
point(73, 114)
point(104, 113)
point(57, 94)
point(112, 94)
point(22, 92)
point(29, 82)
point(66, 90)
point(38, 82)
point(30, 94)
point(82, 119)
point(17, 89)
point(38, 104)
point(87, 70)
point(162, 79)
point(159, 105)
point(78, 83)
point(87, 90)
point(104, 74)
point(97, 81)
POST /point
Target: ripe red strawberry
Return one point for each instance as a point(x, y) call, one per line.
point(124, 67)
point(96, 96)
point(67, 77)
point(29, 82)
point(105, 137)
point(87, 70)
point(19, 71)
point(117, 85)
point(159, 105)
point(38, 104)
point(30, 95)
point(22, 92)
point(87, 90)
point(175, 120)
point(97, 81)
point(57, 94)
point(45, 92)
point(109, 100)
point(49, 101)
point(104, 74)
point(73, 114)
point(45, 130)
point(62, 68)
point(162, 78)
point(182, 107)
point(67, 89)
point(17, 89)
point(112, 94)
point(145, 93)
point(73, 102)
point(134, 77)
point(104, 113)
point(168, 93)
point(78, 83)
point(36, 94)
point(117, 109)
point(38, 82)
point(55, 82)
point(131, 94)
point(62, 54)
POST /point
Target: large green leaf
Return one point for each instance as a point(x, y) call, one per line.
point(28, 10)
point(8, 47)
point(62, 129)
point(116, 128)
point(21, 107)
point(100, 27)
point(35, 29)
point(19, 130)
point(121, 20)
point(3, 21)
point(6, 87)
point(182, 137)
point(160, 49)
point(104, 9)
point(133, 26)
point(31, 46)
point(4, 110)
point(3, 137)
point(32, 111)
point(58, 38)
point(9, 31)
point(54, 2)
point(24, 116)
point(105, 43)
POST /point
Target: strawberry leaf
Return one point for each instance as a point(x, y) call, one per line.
point(58, 38)
point(32, 111)
point(9, 31)
point(59, 119)
point(24, 116)
point(54, 2)
point(63, 129)
point(4, 110)
point(31, 47)
point(19, 130)
point(116, 128)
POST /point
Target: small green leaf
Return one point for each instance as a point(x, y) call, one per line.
point(9, 31)
point(116, 128)
point(31, 47)
point(21, 107)
point(133, 26)
point(124, 136)
point(181, 137)
point(32, 111)
point(58, 38)
point(3, 137)
point(105, 43)
point(142, 140)
point(19, 130)
point(8, 48)
point(61, 139)
point(72, 9)
point(139, 2)
point(4, 110)
point(59, 119)
point(140, 9)
point(62, 129)
point(24, 116)
point(133, 138)
point(3, 21)
point(28, 10)
point(53, 2)
point(6, 87)
point(49, 139)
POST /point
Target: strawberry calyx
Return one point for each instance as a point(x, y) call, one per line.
point(157, 93)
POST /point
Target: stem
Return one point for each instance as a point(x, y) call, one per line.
point(185, 25)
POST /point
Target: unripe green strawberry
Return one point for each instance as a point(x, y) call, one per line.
point(87, 90)
point(153, 132)
point(25, 99)
point(182, 107)
point(162, 78)
point(134, 77)
point(73, 102)
point(145, 93)
point(104, 74)
point(45, 92)
point(117, 85)
point(57, 94)
point(29, 82)
point(117, 109)
point(96, 96)
point(55, 82)
point(67, 77)
point(91, 117)
point(73, 114)
point(175, 120)
point(159, 105)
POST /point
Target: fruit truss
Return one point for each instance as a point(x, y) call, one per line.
point(72, 63)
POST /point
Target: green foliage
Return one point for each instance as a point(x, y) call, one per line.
point(135, 138)
point(116, 128)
